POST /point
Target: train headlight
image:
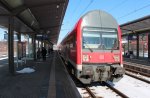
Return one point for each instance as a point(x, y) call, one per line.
point(116, 58)
point(85, 58)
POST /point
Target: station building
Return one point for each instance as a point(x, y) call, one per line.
point(136, 38)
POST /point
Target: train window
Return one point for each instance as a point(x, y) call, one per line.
point(100, 38)
point(109, 40)
point(91, 39)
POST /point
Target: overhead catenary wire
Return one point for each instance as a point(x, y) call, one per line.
point(74, 11)
point(118, 5)
point(87, 7)
point(134, 11)
point(82, 11)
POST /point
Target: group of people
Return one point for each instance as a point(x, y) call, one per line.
point(42, 53)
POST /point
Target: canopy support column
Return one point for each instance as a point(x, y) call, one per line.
point(34, 46)
point(137, 43)
point(149, 46)
point(11, 45)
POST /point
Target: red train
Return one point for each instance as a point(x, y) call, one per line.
point(94, 48)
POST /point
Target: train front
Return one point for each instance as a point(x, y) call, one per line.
point(101, 50)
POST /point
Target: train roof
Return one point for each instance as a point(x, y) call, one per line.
point(99, 18)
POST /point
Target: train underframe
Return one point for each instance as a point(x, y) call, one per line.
point(99, 72)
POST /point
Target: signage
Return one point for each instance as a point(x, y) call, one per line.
point(42, 37)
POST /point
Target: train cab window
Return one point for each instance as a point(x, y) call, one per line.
point(109, 40)
point(99, 38)
point(91, 39)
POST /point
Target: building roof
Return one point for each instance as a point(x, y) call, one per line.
point(34, 16)
point(137, 26)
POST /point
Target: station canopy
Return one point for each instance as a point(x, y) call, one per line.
point(137, 26)
point(34, 16)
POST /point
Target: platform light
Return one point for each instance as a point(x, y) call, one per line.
point(57, 6)
point(48, 32)
point(32, 23)
point(56, 17)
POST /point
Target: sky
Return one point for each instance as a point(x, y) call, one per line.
point(122, 10)
point(2, 34)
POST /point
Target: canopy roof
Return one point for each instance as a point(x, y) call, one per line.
point(34, 16)
point(137, 26)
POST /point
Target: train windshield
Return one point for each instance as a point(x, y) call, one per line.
point(106, 39)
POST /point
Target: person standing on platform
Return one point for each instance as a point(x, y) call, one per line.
point(49, 51)
point(39, 54)
point(44, 51)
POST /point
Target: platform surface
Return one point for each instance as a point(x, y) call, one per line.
point(50, 80)
point(61, 84)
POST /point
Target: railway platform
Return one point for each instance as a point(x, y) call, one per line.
point(137, 61)
point(50, 80)
point(139, 66)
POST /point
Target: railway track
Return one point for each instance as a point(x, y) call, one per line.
point(115, 90)
point(91, 92)
point(139, 78)
point(84, 87)
point(137, 68)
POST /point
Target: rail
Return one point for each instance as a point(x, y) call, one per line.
point(144, 80)
point(137, 68)
point(117, 91)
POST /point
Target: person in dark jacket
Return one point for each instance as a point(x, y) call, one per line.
point(38, 53)
point(44, 52)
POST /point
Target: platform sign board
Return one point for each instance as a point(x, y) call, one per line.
point(41, 37)
point(21, 49)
